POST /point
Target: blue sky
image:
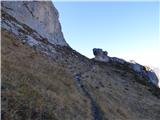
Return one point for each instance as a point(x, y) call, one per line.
point(128, 30)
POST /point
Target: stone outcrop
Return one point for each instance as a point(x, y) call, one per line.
point(118, 60)
point(40, 16)
point(145, 72)
point(142, 71)
point(100, 55)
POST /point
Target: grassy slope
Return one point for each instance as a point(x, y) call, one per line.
point(120, 96)
point(35, 87)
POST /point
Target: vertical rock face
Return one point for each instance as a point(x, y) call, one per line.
point(41, 16)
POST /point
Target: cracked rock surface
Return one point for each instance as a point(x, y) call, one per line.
point(41, 16)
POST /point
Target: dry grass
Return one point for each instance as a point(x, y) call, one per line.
point(35, 87)
point(121, 97)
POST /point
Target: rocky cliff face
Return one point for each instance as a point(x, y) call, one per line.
point(44, 79)
point(41, 17)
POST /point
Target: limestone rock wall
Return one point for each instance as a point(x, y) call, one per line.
point(41, 16)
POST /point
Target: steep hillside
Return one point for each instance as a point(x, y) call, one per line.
point(35, 87)
point(44, 79)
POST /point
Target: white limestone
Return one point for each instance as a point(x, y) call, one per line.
point(41, 16)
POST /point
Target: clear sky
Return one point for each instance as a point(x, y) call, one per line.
point(128, 30)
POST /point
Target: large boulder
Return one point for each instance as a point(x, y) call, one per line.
point(100, 55)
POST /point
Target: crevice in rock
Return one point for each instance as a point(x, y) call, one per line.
point(2, 5)
point(25, 4)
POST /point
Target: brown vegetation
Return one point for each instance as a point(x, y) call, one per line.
point(34, 87)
